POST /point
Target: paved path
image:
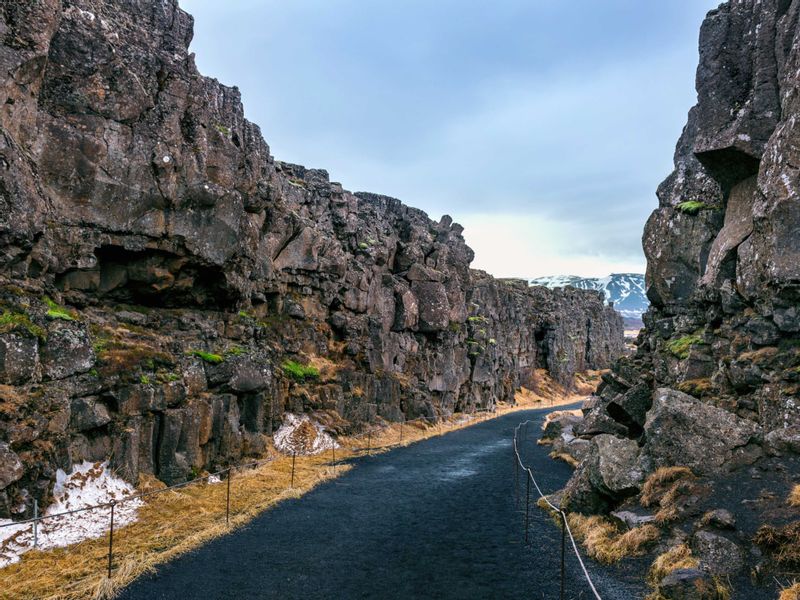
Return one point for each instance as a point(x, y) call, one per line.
point(432, 520)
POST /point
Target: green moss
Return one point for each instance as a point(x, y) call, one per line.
point(363, 245)
point(680, 346)
point(55, 311)
point(144, 379)
point(11, 321)
point(243, 314)
point(167, 377)
point(222, 129)
point(478, 319)
point(209, 357)
point(235, 351)
point(693, 207)
point(300, 372)
point(493, 341)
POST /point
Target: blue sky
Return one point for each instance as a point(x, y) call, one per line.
point(542, 126)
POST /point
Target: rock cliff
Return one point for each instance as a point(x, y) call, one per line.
point(169, 290)
point(715, 383)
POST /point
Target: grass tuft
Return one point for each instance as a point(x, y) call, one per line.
point(567, 458)
point(208, 357)
point(693, 207)
point(605, 543)
point(300, 372)
point(782, 543)
point(665, 487)
point(15, 321)
point(791, 593)
point(55, 311)
point(677, 557)
point(794, 496)
point(680, 346)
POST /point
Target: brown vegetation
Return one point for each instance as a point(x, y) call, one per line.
point(794, 496)
point(665, 487)
point(606, 543)
point(677, 557)
point(790, 593)
point(782, 543)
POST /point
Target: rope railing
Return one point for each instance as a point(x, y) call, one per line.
point(565, 529)
point(227, 473)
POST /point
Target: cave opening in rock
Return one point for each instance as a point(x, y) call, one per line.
point(158, 278)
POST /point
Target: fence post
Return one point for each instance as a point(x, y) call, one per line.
point(35, 523)
point(333, 447)
point(228, 499)
point(111, 538)
point(527, 502)
point(294, 455)
point(369, 443)
point(516, 479)
point(563, 550)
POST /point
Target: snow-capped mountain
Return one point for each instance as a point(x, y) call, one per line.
point(625, 290)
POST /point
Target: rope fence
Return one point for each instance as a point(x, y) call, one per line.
point(565, 529)
point(227, 474)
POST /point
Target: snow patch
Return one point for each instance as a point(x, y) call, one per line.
point(300, 435)
point(89, 484)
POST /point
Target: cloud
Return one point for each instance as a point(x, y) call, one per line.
point(559, 116)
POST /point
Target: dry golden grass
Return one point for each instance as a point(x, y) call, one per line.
point(659, 480)
point(794, 496)
point(677, 557)
point(790, 593)
point(665, 487)
point(544, 391)
point(605, 543)
point(570, 460)
point(782, 543)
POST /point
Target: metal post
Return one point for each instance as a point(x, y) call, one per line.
point(563, 551)
point(111, 539)
point(228, 500)
point(35, 523)
point(294, 455)
point(516, 480)
point(527, 503)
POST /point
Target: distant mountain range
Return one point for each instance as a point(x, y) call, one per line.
point(625, 290)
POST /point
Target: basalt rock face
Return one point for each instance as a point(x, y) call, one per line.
point(714, 384)
point(158, 268)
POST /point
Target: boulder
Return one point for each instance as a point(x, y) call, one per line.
point(718, 554)
point(19, 358)
point(11, 468)
point(687, 584)
point(682, 430)
point(88, 413)
point(434, 306)
point(68, 351)
point(615, 466)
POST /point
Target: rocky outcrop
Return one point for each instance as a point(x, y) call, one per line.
point(158, 270)
point(714, 383)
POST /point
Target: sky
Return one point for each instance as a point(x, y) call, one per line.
point(542, 126)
